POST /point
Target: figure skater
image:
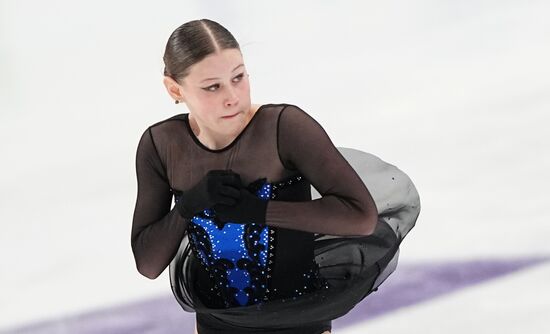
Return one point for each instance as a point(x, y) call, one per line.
point(249, 250)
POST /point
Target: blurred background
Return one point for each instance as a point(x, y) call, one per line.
point(456, 94)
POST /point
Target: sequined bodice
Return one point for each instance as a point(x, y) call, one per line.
point(239, 256)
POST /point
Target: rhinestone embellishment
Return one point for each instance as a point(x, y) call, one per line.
point(239, 257)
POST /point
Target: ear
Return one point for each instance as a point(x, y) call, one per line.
point(173, 88)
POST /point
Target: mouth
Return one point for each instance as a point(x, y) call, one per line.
point(230, 116)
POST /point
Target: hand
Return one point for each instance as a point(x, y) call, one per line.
point(249, 208)
point(216, 187)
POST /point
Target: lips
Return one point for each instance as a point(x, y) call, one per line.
point(230, 115)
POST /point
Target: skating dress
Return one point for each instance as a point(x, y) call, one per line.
point(305, 267)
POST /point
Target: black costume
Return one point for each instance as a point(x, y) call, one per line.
point(307, 266)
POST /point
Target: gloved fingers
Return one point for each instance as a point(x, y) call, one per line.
point(226, 201)
point(218, 182)
point(222, 208)
point(229, 191)
point(232, 179)
point(221, 172)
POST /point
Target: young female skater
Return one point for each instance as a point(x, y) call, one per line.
point(240, 238)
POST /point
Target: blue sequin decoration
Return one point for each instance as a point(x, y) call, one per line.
point(237, 255)
point(230, 250)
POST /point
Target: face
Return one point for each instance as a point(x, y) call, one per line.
point(215, 87)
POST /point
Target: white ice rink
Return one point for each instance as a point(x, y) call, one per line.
point(454, 93)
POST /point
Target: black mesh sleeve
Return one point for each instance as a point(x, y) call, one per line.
point(346, 207)
point(157, 230)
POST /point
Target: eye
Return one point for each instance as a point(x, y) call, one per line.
point(239, 76)
point(209, 88)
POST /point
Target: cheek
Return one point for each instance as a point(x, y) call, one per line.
point(207, 100)
point(245, 86)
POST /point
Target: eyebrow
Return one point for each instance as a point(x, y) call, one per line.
point(218, 78)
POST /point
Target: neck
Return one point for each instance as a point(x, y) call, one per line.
point(215, 141)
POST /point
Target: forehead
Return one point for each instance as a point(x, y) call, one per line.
point(217, 64)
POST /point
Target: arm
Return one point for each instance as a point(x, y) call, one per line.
point(346, 206)
point(394, 193)
point(157, 231)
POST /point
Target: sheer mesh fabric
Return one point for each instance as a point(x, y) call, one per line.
point(279, 142)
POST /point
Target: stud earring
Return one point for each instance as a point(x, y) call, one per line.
point(177, 101)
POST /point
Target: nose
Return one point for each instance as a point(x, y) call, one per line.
point(232, 98)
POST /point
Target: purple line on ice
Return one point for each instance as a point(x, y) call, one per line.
point(413, 284)
point(409, 285)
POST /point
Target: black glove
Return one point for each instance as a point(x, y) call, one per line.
point(248, 209)
point(217, 186)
